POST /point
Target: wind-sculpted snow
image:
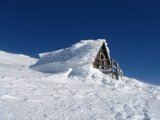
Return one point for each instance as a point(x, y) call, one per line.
point(26, 94)
point(80, 54)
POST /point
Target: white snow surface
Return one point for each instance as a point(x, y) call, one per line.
point(26, 94)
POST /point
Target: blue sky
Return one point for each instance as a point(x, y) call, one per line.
point(131, 27)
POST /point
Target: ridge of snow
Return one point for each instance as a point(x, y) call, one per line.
point(15, 59)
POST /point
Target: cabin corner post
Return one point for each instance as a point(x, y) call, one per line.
point(117, 71)
point(112, 67)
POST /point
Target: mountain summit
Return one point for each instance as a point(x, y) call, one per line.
point(32, 89)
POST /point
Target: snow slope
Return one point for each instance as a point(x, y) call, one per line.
point(26, 94)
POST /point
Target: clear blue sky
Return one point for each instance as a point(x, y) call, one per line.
point(131, 27)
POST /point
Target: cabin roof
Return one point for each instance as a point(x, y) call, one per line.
point(80, 53)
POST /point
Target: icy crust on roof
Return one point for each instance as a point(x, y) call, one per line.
point(79, 55)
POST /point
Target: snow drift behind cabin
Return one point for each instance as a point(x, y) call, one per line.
point(80, 57)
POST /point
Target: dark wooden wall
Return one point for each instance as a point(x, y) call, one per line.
point(102, 50)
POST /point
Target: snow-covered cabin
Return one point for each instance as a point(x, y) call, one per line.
point(80, 57)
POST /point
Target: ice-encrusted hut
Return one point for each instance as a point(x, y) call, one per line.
point(79, 57)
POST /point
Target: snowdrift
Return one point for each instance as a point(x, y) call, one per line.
point(78, 58)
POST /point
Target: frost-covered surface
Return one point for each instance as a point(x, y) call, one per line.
point(26, 94)
point(76, 57)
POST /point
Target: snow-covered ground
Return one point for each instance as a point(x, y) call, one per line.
point(26, 94)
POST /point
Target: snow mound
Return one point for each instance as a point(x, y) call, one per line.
point(14, 64)
point(78, 57)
